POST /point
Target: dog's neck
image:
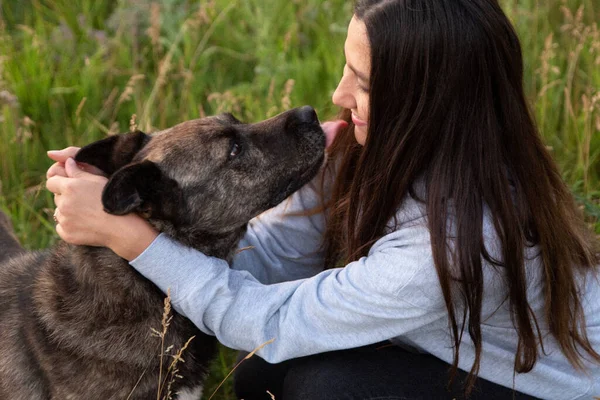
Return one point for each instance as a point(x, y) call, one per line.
point(220, 245)
point(94, 261)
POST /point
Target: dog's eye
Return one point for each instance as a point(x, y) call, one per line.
point(236, 149)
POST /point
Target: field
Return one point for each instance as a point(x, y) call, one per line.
point(75, 71)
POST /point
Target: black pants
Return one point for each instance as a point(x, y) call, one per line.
point(377, 372)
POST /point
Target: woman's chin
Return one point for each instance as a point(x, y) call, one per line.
point(360, 134)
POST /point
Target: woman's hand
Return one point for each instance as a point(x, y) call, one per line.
point(80, 215)
point(61, 156)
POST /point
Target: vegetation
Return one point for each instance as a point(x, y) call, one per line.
point(73, 72)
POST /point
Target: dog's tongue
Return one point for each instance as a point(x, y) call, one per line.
point(331, 129)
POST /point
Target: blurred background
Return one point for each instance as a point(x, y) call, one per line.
point(72, 72)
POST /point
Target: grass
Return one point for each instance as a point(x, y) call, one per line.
point(73, 72)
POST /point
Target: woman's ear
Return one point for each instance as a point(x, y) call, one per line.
point(114, 152)
point(142, 188)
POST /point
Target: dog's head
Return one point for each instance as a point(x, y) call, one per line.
point(209, 175)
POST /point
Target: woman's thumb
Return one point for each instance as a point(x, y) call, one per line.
point(72, 169)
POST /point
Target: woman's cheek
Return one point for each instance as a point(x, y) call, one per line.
point(360, 132)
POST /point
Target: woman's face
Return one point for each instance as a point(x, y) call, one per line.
point(353, 90)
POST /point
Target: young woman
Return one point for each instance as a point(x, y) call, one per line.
point(439, 238)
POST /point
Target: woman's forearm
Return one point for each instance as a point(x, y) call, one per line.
point(132, 235)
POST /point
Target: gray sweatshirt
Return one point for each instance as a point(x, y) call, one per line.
point(279, 290)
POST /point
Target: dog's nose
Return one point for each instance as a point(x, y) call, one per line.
point(307, 114)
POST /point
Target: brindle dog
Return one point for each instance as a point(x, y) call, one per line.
point(76, 321)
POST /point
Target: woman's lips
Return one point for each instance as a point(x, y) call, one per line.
point(357, 121)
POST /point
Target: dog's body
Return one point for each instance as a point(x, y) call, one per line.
point(76, 321)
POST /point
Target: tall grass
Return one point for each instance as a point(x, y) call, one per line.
point(72, 72)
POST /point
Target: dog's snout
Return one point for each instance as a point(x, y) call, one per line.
point(307, 115)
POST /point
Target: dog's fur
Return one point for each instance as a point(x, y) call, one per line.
point(76, 321)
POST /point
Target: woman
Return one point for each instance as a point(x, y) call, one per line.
point(440, 225)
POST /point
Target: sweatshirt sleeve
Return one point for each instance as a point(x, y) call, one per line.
point(392, 291)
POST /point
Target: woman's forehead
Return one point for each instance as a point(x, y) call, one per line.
point(357, 47)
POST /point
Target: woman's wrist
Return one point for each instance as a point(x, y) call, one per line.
point(132, 238)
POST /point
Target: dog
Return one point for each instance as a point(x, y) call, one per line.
point(76, 321)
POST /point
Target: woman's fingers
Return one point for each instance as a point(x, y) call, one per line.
point(91, 169)
point(57, 169)
point(57, 184)
point(62, 155)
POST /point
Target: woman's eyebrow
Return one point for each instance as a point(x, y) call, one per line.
point(358, 73)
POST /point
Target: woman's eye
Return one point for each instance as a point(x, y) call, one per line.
point(236, 149)
point(361, 87)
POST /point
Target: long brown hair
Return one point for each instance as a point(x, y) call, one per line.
point(447, 104)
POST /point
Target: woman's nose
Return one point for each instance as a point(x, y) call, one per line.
point(342, 96)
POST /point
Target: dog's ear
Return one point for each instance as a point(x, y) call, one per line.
point(142, 188)
point(229, 118)
point(114, 152)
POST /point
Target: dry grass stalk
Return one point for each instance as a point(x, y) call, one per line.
point(590, 103)
point(129, 89)
point(164, 68)
point(6, 97)
point(286, 102)
point(595, 43)
point(79, 108)
point(579, 31)
point(225, 101)
point(109, 102)
point(205, 14)
point(238, 251)
point(153, 30)
point(547, 68)
point(166, 320)
point(24, 133)
point(211, 29)
point(172, 372)
point(168, 377)
point(133, 123)
point(270, 96)
point(115, 129)
point(137, 384)
point(238, 364)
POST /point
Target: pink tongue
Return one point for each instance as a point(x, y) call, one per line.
point(331, 129)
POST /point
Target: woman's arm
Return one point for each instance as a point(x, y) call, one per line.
point(391, 292)
point(281, 245)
